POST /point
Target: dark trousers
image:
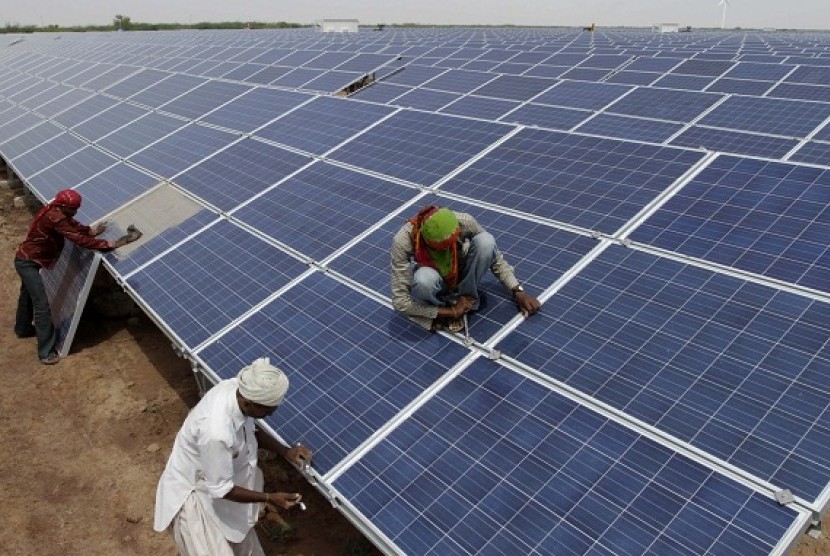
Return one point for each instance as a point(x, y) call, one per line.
point(33, 304)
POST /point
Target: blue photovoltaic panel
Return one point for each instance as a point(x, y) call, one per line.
point(269, 74)
point(803, 92)
point(12, 126)
point(255, 109)
point(352, 362)
point(113, 118)
point(272, 55)
point(322, 208)
point(244, 270)
point(243, 72)
point(664, 104)
point(604, 61)
point(380, 92)
point(770, 218)
point(166, 90)
point(298, 77)
point(710, 68)
point(135, 83)
point(515, 87)
point(480, 107)
point(425, 99)
point(202, 100)
point(739, 86)
point(598, 184)
point(419, 147)
point(813, 153)
point(734, 368)
point(768, 115)
point(67, 285)
point(585, 74)
point(297, 58)
point(33, 137)
point(413, 75)
point(823, 134)
point(238, 173)
point(107, 78)
point(46, 154)
point(323, 123)
point(633, 78)
point(366, 62)
point(764, 72)
point(609, 125)
point(333, 81)
point(510, 68)
point(577, 94)
point(139, 133)
point(546, 71)
point(459, 81)
point(546, 116)
point(735, 142)
point(61, 103)
point(810, 74)
point(328, 60)
point(529, 57)
point(687, 82)
point(111, 189)
point(495, 463)
point(85, 110)
point(661, 65)
point(540, 255)
point(71, 170)
point(181, 149)
point(161, 242)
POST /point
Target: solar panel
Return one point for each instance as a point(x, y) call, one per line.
point(459, 81)
point(196, 304)
point(546, 116)
point(735, 142)
point(425, 99)
point(33, 136)
point(181, 149)
point(815, 75)
point(419, 147)
point(664, 104)
point(84, 110)
point(254, 109)
point(71, 170)
point(166, 90)
point(238, 173)
point(514, 87)
point(687, 82)
point(296, 78)
point(497, 464)
point(201, 100)
point(702, 67)
point(803, 92)
point(609, 125)
point(353, 366)
point(323, 123)
point(112, 188)
point(480, 107)
point(767, 115)
point(594, 183)
point(322, 208)
point(763, 217)
point(739, 86)
point(46, 154)
point(813, 152)
point(111, 119)
point(576, 94)
point(726, 365)
point(633, 78)
point(767, 72)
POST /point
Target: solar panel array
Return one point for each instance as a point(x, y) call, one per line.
point(665, 196)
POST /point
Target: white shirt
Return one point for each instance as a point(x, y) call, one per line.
point(214, 450)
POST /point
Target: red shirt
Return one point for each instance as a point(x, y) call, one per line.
point(44, 242)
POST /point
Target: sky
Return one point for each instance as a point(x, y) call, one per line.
point(780, 14)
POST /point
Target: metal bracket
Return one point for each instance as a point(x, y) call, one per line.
point(784, 497)
point(625, 241)
point(596, 235)
point(814, 529)
point(494, 354)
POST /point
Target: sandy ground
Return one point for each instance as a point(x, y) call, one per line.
point(85, 441)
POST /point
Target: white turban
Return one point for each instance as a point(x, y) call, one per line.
point(263, 383)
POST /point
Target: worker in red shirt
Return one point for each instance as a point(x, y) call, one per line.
point(41, 248)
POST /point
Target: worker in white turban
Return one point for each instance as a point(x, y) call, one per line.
point(210, 493)
point(262, 383)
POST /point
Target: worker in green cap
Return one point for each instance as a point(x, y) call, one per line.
point(439, 258)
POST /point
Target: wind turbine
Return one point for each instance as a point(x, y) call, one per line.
point(724, 4)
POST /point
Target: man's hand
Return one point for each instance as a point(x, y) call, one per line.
point(284, 500)
point(528, 304)
point(463, 306)
point(133, 234)
point(99, 228)
point(299, 455)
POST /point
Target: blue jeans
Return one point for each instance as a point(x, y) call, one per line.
point(33, 303)
point(429, 287)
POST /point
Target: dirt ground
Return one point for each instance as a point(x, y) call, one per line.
point(84, 441)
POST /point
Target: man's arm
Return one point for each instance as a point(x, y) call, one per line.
point(299, 455)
